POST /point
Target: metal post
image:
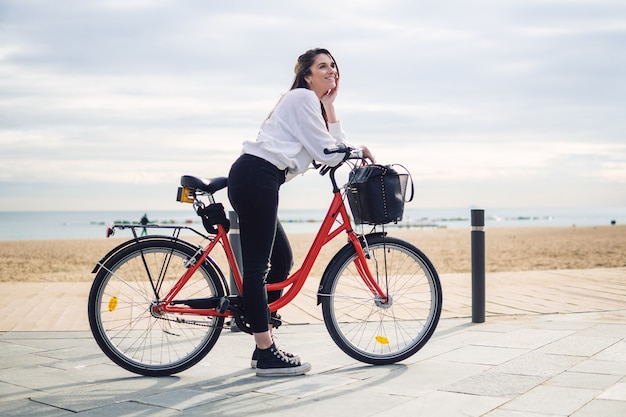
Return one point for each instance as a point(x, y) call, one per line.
point(235, 243)
point(233, 236)
point(478, 266)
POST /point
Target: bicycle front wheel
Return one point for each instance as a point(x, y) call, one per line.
point(369, 328)
point(122, 319)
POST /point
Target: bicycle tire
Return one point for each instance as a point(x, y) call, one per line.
point(366, 328)
point(119, 308)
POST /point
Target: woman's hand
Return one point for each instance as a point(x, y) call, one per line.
point(329, 97)
point(367, 154)
point(328, 101)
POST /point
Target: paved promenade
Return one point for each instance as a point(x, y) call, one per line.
point(553, 344)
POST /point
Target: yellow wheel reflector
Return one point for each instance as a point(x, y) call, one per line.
point(382, 340)
point(112, 303)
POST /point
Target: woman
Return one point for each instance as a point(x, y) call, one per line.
point(300, 127)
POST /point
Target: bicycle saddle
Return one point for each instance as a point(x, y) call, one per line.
point(209, 185)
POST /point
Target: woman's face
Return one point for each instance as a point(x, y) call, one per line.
point(323, 76)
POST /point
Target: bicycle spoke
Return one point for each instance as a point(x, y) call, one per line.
point(122, 280)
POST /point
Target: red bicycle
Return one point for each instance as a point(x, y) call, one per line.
point(158, 303)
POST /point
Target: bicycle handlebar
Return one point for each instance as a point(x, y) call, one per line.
point(349, 152)
point(340, 148)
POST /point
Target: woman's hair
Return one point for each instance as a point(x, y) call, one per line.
point(304, 64)
point(303, 70)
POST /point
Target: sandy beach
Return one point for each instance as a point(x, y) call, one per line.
point(507, 249)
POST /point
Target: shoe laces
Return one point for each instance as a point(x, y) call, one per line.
point(284, 356)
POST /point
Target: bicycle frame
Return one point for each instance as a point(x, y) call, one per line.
point(296, 280)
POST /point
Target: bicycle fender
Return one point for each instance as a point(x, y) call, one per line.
point(342, 253)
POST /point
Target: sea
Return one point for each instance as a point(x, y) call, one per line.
point(52, 225)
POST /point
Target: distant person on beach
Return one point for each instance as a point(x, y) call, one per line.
point(296, 132)
point(144, 221)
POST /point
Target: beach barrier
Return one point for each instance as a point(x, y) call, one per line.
point(478, 265)
point(235, 242)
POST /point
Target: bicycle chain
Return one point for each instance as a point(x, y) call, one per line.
point(197, 323)
point(193, 322)
point(239, 320)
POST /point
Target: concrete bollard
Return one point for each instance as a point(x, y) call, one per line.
point(478, 265)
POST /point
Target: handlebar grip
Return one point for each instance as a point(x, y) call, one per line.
point(341, 148)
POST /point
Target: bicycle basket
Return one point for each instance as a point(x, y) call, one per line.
point(376, 194)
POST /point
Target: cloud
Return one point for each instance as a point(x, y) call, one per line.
point(127, 93)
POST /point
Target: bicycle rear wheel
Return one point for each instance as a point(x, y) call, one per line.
point(120, 305)
point(368, 328)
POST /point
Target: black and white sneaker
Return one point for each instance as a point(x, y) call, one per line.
point(255, 356)
point(274, 362)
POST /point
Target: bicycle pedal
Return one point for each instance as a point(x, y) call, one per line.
point(235, 304)
point(224, 305)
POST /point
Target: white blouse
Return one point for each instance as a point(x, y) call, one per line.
point(295, 134)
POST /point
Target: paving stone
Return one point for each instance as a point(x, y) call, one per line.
point(91, 373)
point(602, 408)
point(249, 404)
point(495, 384)
point(605, 329)
point(182, 399)
point(342, 403)
point(486, 355)
point(15, 349)
point(11, 392)
point(464, 336)
point(235, 384)
point(361, 371)
point(25, 407)
point(525, 338)
point(616, 352)
point(306, 386)
point(424, 377)
point(127, 409)
point(583, 380)
point(512, 413)
point(616, 392)
point(548, 323)
point(79, 397)
point(539, 364)
point(555, 401)
point(594, 366)
point(37, 377)
point(446, 404)
point(580, 345)
point(13, 360)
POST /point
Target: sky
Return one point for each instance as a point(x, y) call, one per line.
point(488, 103)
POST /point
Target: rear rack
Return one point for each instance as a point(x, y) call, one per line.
point(176, 229)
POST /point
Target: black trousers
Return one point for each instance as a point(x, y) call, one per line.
point(253, 187)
